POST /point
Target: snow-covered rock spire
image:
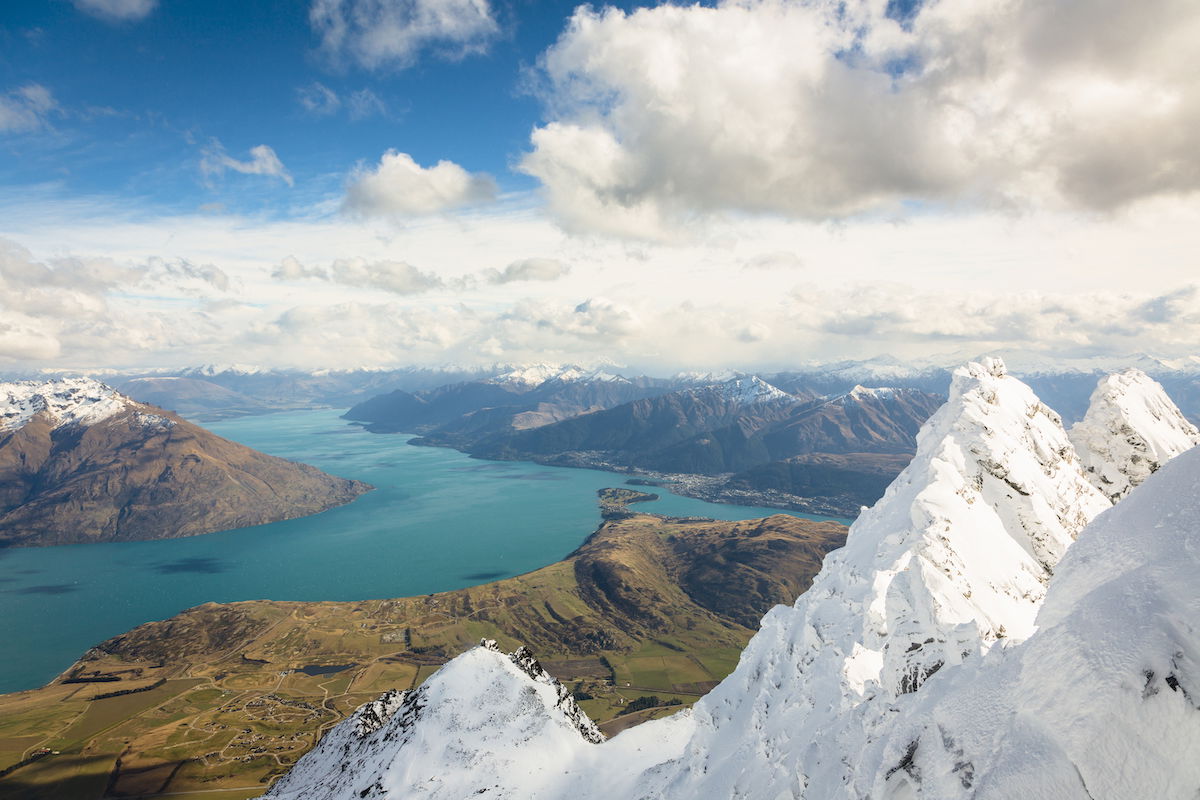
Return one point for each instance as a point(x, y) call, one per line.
point(1130, 430)
point(953, 558)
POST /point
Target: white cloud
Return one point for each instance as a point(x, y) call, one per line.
point(130, 10)
point(399, 187)
point(26, 108)
point(397, 277)
point(318, 99)
point(827, 109)
point(393, 33)
point(262, 161)
point(529, 269)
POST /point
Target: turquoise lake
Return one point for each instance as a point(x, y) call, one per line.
point(437, 520)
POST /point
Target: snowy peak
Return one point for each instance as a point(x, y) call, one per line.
point(1131, 428)
point(953, 558)
point(751, 390)
point(482, 721)
point(65, 401)
point(534, 375)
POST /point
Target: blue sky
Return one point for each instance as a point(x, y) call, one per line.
point(747, 183)
point(140, 99)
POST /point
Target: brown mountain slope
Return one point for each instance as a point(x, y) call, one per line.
point(145, 473)
point(231, 695)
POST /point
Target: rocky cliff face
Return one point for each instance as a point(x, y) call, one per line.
point(917, 665)
point(79, 462)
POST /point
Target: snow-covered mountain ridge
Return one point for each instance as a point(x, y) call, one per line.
point(65, 401)
point(1130, 430)
point(920, 619)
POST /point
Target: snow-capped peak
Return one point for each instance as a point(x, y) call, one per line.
point(750, 390)
point(531, 376)
point(1131, 428)
point(483, 720)
point(66, 401)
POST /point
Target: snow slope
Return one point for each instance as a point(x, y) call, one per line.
point(66, 401)
point(1131, 428)
point(901, 672)
point(1103, 701)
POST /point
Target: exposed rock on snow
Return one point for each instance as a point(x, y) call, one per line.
point(917, 665)
point(65, 401)
point(1130, 430)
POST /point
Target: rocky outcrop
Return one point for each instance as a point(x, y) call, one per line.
point(79, 462)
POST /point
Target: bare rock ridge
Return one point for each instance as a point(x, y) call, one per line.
point(80, 462)
point(960, 644)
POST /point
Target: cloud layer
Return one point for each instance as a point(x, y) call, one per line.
point(827, 109)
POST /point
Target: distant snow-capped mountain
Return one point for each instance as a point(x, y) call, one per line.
point(949, 650)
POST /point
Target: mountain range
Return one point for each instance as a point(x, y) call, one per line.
point(756, 437)
point(993, 628)
point(80, 462)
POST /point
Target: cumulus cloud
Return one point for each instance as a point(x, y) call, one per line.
point(117, 10)
point(528, 269)
point(262, 161)
point(822, 110)
point(400, 187)
point(393, 33)
point(26, 108)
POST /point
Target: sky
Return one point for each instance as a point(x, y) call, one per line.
point(753, 184)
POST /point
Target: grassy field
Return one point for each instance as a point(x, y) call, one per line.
point(647, 606)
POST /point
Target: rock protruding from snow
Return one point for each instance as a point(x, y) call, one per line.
point(484, 721)
point(371, 716)
point(1103, 701)
point(65, 401)
point(524, 660)
point(1130, 430)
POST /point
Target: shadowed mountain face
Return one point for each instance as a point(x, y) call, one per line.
point(782, 448)
point(144, 473)
point(464, 411)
